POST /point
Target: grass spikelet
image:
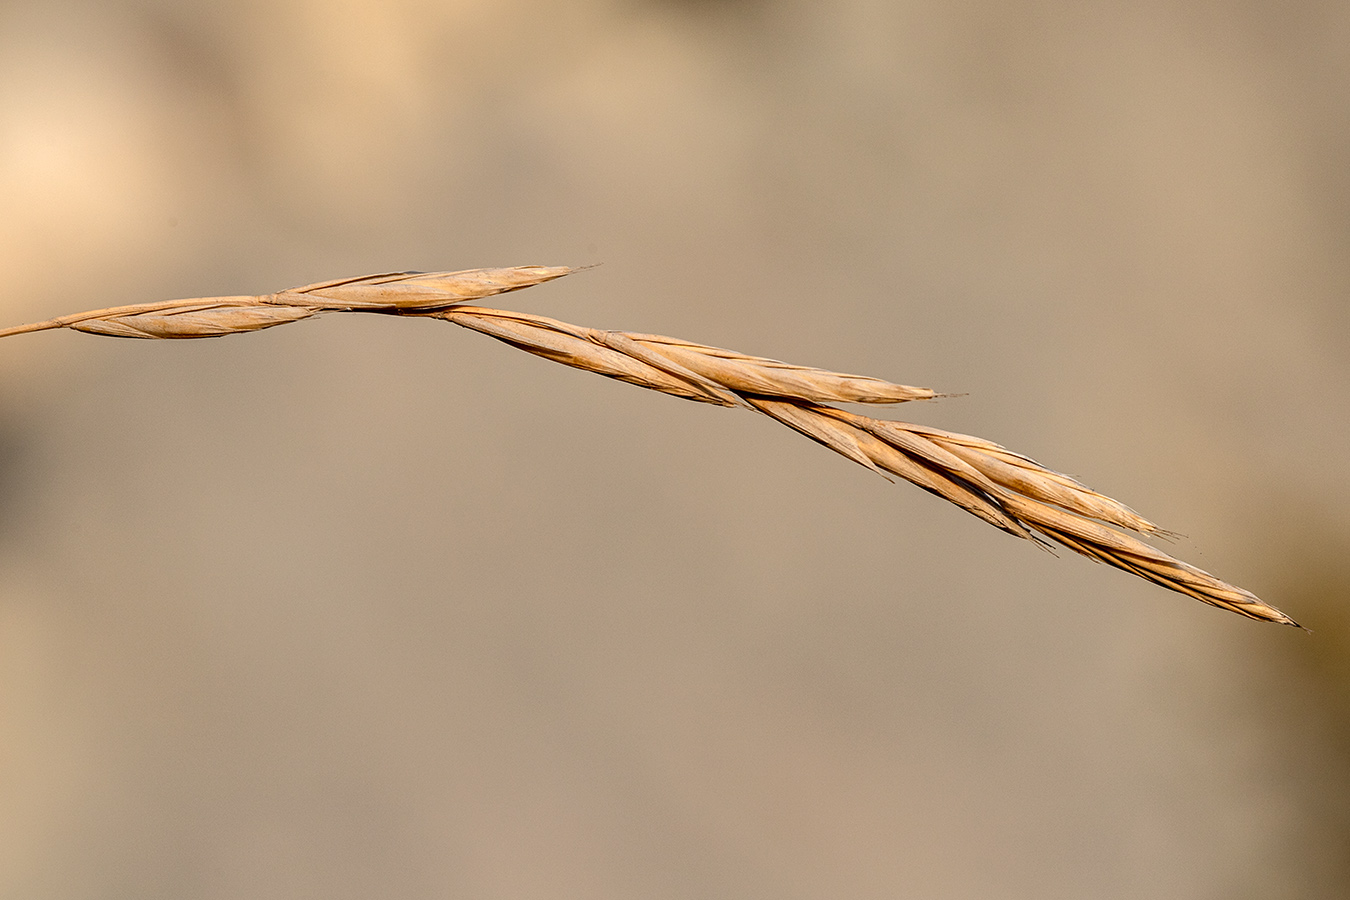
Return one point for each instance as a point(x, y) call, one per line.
point(193, 322)
point(416, 291)
point(1009, 491)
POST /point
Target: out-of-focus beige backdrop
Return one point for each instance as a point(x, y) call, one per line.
point(372, 608)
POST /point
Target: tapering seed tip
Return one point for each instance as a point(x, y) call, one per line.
point(1217, 592)
point(1024, 475)
point(411, 292)
point(1251, 606)
point(773, 378)
point(1115, 548)
point(1282, 619)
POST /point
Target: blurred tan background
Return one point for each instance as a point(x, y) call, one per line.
point(373, 608)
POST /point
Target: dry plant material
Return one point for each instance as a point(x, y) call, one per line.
point(1005, 489)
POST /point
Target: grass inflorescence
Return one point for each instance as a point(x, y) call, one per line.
point(1005, 489)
